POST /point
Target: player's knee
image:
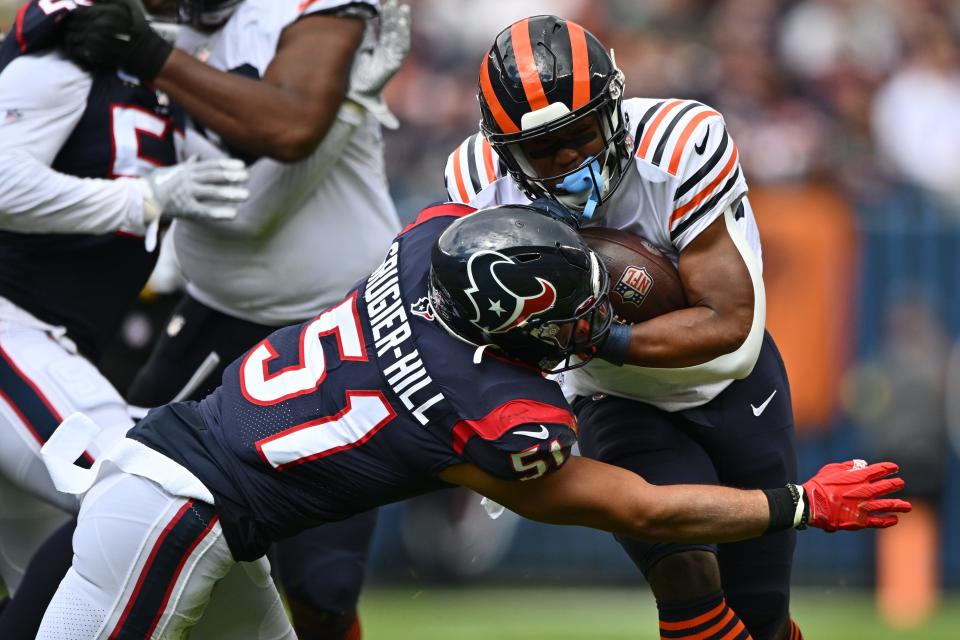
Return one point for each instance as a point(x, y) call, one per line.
point(684, 576)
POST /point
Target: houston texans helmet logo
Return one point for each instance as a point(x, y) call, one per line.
point(499, 308)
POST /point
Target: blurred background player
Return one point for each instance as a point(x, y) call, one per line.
point(406, 386)
point(699, 395)
point(318, 219)
point(81, 184)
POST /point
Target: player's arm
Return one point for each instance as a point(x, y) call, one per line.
point(588, 493)
point(727, 306)
point(287, 113)
point(41, 100)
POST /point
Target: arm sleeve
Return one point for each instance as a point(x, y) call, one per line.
point(41, 100)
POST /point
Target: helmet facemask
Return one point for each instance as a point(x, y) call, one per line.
point(206, 14)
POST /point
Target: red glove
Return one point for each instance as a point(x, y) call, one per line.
point(843, 495)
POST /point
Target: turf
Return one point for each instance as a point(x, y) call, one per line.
point(606, 614)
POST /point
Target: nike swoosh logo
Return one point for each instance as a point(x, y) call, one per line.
point(543, 434)
point(700, 148)
point(758, 410)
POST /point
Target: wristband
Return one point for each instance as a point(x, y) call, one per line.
point(614, 348)
point(782, 507)
point(801, 512)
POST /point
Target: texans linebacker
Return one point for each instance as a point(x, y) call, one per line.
point(428, 374)
point(85, 174)
point(696, 395)
point(249, 75)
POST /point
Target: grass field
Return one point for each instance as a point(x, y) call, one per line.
point(606, 614)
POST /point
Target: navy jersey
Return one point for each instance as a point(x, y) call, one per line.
point(364, 405)
point(86, 282)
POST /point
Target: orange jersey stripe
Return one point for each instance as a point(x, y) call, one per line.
point(700, 197)
point(684, 136)
point(648, 135)
point(527, 65)
point(503, 120)
point(487, 152)
point(581, 65)
point(458, 176)
point(692, 622)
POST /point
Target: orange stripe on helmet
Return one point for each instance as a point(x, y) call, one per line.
point(581, 65)
point(493, 103)
point(487, 152)
point(458, 176)
point(652, 128)
point(527, 65)
point(684, 136)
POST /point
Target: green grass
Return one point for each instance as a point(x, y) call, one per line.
point(606, 614)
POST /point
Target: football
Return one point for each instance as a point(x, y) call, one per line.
point(644, 283)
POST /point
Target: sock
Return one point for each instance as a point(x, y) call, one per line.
point(354, 633)
point(706, 618)
point(794, 632)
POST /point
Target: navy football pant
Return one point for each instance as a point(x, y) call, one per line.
point(324, 567)
point(722, 442)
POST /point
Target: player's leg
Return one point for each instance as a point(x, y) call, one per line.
point(685, 579)
point(753, 446)
point(322, 571)
point(145, 565)
point(42, 381)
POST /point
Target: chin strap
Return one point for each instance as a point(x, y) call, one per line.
point(589, 179)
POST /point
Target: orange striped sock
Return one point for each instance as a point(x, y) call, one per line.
point(354, 633)
point(794, 632)
point(707, 618)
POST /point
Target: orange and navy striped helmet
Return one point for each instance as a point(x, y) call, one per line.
point(542, 74)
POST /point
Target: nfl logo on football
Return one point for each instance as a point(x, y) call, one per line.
point(634, 285)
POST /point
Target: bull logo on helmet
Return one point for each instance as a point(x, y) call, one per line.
point(497, 307)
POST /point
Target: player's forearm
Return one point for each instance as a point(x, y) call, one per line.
point(687, 337)
point(253, 115)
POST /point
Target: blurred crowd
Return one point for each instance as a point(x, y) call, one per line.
point(860, 93)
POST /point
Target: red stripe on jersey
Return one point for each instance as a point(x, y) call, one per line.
point(507, 416)
point(652, 129)
point(493, 103)
point(581, 65)
point(487, 152)
point(684, 136)
point(19, 20)
point(458, 176)
point(454, 209)
point(527, 65)
point(700, 197)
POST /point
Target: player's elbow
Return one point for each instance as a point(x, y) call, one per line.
point(295, 143)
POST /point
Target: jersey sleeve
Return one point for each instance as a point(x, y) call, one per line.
point(42, 97)
point(519, 440)
point(689, 141)
point(471, 168)
point(360, 9)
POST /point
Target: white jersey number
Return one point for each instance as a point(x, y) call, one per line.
point(128, 123)
point(366, 412)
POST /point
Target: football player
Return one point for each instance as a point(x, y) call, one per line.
point(250, 76)
point(696, 395)
point(85, 174)
point(428, 374)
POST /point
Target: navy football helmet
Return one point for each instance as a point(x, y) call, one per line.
point(544, 74)
point(206, 13)
point(524, 282)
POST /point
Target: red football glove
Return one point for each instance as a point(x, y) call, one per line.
point(843, 495)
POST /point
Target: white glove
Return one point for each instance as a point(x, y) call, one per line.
point(378, 59)
point(197, 190)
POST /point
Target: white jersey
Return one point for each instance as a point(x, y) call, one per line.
point(42, 98)
point(310, 229)
point(685, 175)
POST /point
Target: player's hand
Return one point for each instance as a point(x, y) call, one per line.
point(378, 60)
point(848, 496)
point(114, 33)
point(198, 190)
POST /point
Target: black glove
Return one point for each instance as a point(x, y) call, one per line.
point(112, 34)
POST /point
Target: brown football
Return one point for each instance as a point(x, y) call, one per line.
point(644, 283)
